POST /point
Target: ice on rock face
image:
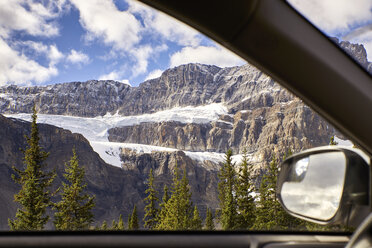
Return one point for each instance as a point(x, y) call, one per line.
point(95, 129)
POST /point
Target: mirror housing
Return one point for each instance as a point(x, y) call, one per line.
point(343, 194)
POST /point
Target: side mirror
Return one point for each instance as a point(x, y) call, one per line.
point(326, 185)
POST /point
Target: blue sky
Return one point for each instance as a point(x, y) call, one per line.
point(47, 42)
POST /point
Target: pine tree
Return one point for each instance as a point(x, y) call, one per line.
point(245, 202)
point(196, 223)
point(226, 189)
point(74, 211)
point(133, 220)
point(176, 213)
point(163, 209)
point(129, 220)
point(270, 214)
point(185, 204)
point(34, 196)
point(120, 225)
point(151, 211)
point(209, 224)
point(332, 141)
point(114, 225)
point(104, 226)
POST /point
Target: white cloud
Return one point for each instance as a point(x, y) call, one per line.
point(116, 76)
point(142, 55)
point(54, 54)
point(334, 16)
point(51, 52)
point(205, 55)
point(76, 57)
point(18, 69)
point(154, 74)
point(102, 20)
point(30, 16)
point(170, 28)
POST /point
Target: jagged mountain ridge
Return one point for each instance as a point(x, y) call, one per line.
point(90, 98)
point(186, 85)
point(239, 88)
point(275, 117)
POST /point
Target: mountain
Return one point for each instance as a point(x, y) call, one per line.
point(188, 116)
point(116, 190)
point(260, 116)
point(91, 98)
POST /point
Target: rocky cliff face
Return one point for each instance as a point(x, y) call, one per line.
point(203, 181)
point(356, 51)
point(262, 132)
point(238, 88)
point(91, 98)
point(116, 190)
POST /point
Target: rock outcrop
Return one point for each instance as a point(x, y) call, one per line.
point(116, 190)
point(91, 98)
point(262, 132)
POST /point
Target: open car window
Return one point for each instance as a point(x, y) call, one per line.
point(165, 128)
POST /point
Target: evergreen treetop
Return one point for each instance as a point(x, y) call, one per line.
point(114, 225)
point(196, 223)
point(120, 224)
point(104, 225)
point(226, 189)
point(270, 214)
point(74, 211)
point(151, 210)
point(34, 196)
point(176, 212)
point(133, 220)
point(246, 207)
point(209, 224)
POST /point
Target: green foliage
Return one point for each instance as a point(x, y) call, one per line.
point(163, 209)
point(114, 225)
point(209, 224)
point(332, 141)
point(176, 212)
point(120, 225)
point(226, 189)
point(151, 211)
point(33, 196)
point(246, 207)
point(104, 226)
point(74, 211)
point(196, 222)
point(270, 214)
point(133, 220)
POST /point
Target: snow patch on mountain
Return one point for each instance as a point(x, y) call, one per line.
point(110, 153)
point(95, 130)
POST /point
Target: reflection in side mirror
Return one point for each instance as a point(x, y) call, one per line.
point(326, 185)
point(314, 188)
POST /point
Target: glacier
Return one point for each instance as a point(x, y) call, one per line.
point(95, 129)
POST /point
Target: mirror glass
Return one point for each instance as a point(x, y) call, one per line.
point(314, 185)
